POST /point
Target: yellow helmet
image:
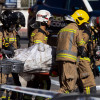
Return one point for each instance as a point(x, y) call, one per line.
point(80, 17)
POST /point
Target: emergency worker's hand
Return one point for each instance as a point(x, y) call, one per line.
point(81, 51)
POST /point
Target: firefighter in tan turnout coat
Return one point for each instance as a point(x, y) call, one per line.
point(85, 71)
point(70, 41)
point(7, 40)
point(40, 35)
point(7, 34)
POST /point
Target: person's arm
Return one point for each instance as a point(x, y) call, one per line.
point(15, 40)
point(32, 38)
point(80, 43)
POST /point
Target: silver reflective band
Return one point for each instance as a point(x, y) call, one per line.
point(68, 52)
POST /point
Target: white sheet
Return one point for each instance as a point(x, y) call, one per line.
point(37, 56)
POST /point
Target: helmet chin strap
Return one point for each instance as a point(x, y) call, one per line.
point(77, 21)
point(43, 25)
point(45, 22)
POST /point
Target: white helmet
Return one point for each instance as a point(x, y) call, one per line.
point(43, 16)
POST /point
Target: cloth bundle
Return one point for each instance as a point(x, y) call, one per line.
point(36, 57)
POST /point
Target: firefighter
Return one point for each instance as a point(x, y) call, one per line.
point(8, 28)
point(70, 41)
point(7, 38)
point(40, 35)
point(95, 44)
point(7, 33)
point(19, 21)
point(84, 65)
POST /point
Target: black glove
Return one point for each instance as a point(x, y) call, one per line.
point(11, 49)
point(81, 51)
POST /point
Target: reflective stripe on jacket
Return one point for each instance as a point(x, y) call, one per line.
point(12, 39)
point(32, 34)
point(6, 39)
point(85, 35)
point(39, 37)
point(85, 58)
point(37, 41)
point(1, 38)
point(69, 38)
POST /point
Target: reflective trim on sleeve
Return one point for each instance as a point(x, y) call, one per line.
point(46, 38)
point(85, 58)
point(37, 41)
point(94, 40)
point(67, 92)
point(89, 40)
point(0, 40)
point(4, 97)
point(81, 42)
point(6, 38)
point(68, 30)
point(66, 56)
point(68, 52)
point(12, 39)
point(32, 34)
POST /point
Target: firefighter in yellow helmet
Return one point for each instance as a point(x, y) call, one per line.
point(70, 42)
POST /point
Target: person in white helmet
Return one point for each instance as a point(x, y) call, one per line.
point(40, 35)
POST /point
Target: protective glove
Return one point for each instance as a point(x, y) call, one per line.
point(81, 51)
point(96, 70)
